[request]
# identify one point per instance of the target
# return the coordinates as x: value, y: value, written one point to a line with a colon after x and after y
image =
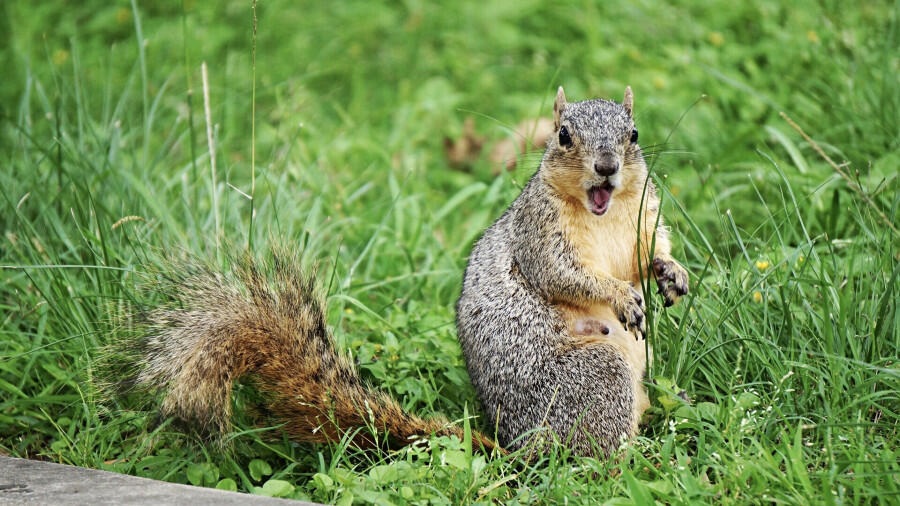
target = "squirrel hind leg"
x: 632, y: 348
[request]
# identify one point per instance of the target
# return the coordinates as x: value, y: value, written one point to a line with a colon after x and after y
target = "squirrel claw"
x: 629, y: 307
x: 671, y: 278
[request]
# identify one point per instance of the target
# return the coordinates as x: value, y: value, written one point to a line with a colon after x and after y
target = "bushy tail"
x: 267, y: 324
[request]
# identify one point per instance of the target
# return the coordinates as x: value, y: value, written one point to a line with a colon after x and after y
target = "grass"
x: 787, y: 348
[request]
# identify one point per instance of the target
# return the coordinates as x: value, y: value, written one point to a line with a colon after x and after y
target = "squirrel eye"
x: 634, y: 135
x: 564, y: 138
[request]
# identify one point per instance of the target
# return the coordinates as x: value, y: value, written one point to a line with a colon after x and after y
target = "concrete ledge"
x: 34, y: 482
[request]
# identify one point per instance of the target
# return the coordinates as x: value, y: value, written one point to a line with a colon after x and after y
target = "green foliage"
x: 777, y: 379
x: 259, y: 468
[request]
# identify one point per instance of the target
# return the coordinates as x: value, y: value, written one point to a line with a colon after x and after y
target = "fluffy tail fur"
x: 268, y: 325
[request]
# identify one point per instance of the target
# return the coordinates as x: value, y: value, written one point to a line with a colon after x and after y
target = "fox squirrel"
x: 548, y: 283
x: 538, y: 318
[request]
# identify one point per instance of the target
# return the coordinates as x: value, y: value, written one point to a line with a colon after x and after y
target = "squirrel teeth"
x: 599, y: 197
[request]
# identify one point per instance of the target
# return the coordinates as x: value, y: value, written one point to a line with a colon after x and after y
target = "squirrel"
x: 549, y: 322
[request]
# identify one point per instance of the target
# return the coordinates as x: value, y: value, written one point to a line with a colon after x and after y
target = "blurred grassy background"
x: 788, y: 352
x: 359, y: 72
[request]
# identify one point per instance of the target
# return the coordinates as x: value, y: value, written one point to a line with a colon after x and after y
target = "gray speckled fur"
x: 519, y: 354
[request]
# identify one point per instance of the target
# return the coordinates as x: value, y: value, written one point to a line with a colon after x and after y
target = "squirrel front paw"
x: 671, y: 278
x: 628, y: 304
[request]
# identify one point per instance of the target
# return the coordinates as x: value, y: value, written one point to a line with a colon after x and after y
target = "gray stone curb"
x: 34, y: 482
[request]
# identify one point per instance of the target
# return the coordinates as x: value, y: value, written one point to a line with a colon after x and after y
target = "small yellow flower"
x: 800, y: 259
x: 60, y: 56
x: 123, y: 15
x: 716, y: 38
x: 659, y: 83
x: 757, y: 297
x: 378, y: 348
x: 762, y: 264
x: 812, y: 36
x: 348, y: 311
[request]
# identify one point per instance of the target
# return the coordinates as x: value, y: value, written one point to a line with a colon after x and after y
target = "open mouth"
x: 599, y: 196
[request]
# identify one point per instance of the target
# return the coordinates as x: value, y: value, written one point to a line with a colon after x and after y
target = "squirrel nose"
x: 606, y: 165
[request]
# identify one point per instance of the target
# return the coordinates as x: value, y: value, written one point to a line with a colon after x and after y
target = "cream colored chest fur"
x: 606, y: 245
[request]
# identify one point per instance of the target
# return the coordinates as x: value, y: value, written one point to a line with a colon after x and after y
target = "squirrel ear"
x: 558, y: 107
x: 628, y: 101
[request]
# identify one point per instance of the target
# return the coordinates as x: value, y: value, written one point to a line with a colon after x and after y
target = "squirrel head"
x: 593, y: 153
